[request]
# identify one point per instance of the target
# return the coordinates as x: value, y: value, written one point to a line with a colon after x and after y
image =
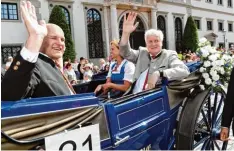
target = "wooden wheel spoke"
x: 209, y: 111
x: 216, y: 145
x: 214, y: 109
x: 205, y: 120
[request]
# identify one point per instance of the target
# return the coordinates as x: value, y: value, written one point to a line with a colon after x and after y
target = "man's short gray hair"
x: 154, y: 32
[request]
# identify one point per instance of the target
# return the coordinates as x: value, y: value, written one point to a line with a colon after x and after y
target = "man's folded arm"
x: 178, y: 70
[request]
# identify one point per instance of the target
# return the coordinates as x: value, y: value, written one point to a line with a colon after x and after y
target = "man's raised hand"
x: 37, y: 31
x: 30, y: 19
x: 128, y: 24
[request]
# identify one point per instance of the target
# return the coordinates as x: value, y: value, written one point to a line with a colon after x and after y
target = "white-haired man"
x: 152, y: 62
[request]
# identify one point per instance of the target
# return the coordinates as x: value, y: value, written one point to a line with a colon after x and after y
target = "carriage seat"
x: 178, y: 90
x: 187, y: 83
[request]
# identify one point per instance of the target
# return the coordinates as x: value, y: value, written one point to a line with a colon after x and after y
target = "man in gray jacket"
x: 152, y: 62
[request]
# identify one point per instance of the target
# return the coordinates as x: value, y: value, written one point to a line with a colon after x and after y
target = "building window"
x: 95, y: 40
x: 221, y: 45
x: 209, y: 1
x: 9, y: 51
x: 178, y: 33
x: 67, y: 15
x: 229, y: 3
x: 220, y: 26
x: 197, y: 22
x: 209, y: 25
x: 230, y: 27
x: 9, y: 11
x: 220, y: 2
x: 161, y: 24
x: 231, y: 45
x: 211, y: 43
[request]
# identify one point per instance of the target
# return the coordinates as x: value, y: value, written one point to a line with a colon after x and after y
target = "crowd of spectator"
x: 82, y: 71
x: 188, y: 56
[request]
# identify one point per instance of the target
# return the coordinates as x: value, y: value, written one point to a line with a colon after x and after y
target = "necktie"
x: 65, y: 79
x: 146, y: 80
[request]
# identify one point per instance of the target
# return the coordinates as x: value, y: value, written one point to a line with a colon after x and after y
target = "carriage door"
x: 139, y: 121
x: 137, y: 37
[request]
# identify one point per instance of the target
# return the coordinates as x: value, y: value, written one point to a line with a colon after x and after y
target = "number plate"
x: 86, y: 138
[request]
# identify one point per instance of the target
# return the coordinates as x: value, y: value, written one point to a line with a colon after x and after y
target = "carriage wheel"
x: 200, y: 122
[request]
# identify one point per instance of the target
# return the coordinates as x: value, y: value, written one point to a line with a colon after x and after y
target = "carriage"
x: 174, y: 115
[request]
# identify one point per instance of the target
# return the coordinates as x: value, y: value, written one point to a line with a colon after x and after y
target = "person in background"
x: 70, y: 73
x: 102, y: 64
x: 87, y: 77
x: 188, y: 59
x: 228, y: 111
x: 120, y: 75
x: 80, y: 67
x: 8, y: 63
x: 88, y: 69
x: 180, y: 55
x: 74, y: 66
x: 64, y: 65
x: 107, y: 67
x: 95, y: 69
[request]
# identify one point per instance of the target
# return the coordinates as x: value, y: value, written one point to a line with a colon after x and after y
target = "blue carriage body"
x: 146, y: 120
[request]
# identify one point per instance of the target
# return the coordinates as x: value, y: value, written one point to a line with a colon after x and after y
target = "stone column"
x: 171, y: 31
x: 114, y: 22
x: 154, y: 18
x: 106, y: 31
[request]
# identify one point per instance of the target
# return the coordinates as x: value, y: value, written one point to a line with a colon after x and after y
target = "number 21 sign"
x: 86, y: 138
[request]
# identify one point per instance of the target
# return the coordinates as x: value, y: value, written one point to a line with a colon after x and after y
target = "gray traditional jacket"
x: 166, y: 61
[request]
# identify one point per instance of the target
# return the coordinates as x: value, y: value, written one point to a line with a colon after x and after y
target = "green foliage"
x: 190, y: 37
x: 58, y: 17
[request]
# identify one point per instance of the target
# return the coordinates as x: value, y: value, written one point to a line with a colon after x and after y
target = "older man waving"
x: 152, y: 62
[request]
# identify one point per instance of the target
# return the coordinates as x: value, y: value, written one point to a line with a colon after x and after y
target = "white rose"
x: 214, y: 63
x: 219, y: 62
x: 221, y: 70
x: 212, y: 50
x: 205, y: 52
x: 214, y: 84
x: 202, y: 69
x: 202, y: 40
x: 212, y: 57
x: 213, y: 73
x: 206, y: 63
x: 226, y: 57
x: 226, y: 84
x: 215, y: 77
x: 205, y: 75
x: 202, y: 87
x: 208, y: 81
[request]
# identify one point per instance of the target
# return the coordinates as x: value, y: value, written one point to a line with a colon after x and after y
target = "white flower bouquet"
x: 216, y: 67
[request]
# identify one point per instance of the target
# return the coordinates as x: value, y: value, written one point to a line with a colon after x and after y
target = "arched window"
x: 178, y: 33
x: 95, y: 41
x: 137, y: 37
x: 67, y: 15
x: 161, y: 24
